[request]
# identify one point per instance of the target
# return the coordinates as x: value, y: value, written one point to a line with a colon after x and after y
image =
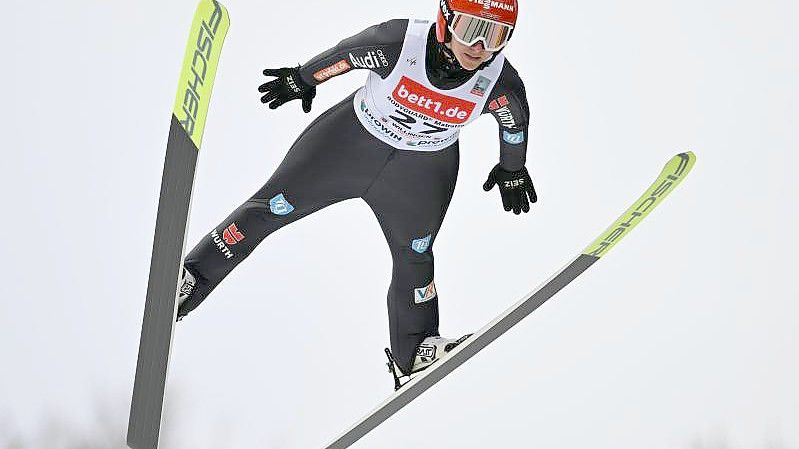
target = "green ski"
x: 673, y: 173
x: 208, y: 31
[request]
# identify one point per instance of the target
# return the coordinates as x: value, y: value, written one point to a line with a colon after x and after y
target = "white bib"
x: 407, y: 112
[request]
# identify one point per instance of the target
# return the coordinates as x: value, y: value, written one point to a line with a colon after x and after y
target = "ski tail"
x: 209, y: 27
x: 674, y: 172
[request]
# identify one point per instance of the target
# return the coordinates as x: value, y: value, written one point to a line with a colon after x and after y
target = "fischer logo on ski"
x: 202, y: 57
x: 676, y: 169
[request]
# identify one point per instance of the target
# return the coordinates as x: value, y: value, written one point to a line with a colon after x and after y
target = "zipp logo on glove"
x: 515, y: 188
x: 293, y: 84
x: 513, y: 183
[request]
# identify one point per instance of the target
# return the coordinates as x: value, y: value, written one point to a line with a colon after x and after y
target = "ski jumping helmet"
x: 471, y: 21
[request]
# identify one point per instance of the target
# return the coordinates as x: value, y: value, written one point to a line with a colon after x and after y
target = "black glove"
x: 288, y: 86
x: 514, y: 186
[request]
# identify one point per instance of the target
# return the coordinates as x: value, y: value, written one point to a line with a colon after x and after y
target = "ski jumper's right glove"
x: 514, y: 186
x: 288, y: 86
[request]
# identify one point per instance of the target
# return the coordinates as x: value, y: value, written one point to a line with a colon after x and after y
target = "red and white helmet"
x: 470, y: 21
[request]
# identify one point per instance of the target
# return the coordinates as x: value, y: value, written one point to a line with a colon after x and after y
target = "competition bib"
x: 407, y: 112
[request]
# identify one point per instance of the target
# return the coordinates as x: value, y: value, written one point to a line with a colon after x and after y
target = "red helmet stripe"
x: 505, y: 11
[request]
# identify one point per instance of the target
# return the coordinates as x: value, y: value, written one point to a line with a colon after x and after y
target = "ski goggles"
x: 469, y: 30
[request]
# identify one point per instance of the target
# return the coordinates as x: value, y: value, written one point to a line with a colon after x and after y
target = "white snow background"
x: 684, y: 336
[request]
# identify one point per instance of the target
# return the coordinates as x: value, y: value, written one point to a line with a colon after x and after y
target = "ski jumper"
x: 393, y: 143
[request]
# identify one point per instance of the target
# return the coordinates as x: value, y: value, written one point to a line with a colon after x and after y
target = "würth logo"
x: 498, y: 103
x: 501, y: 107
x: 232, y: 235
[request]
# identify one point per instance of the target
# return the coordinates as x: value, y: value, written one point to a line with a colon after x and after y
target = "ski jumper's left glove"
x: 288, y: 86
x: 514, y: 186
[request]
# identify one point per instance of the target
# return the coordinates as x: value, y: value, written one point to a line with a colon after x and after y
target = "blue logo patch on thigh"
x: 279, y: 205
x: 513, y: 138
x: 421, y: 245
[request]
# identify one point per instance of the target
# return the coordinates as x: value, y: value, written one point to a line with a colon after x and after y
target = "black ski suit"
x: 335, y: 159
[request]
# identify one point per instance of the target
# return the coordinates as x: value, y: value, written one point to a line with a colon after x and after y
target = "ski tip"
x: 673, y: 173
x: 200, y: 61
x: 676, y: 170
x: 688, y: 158
x: 209, y: 5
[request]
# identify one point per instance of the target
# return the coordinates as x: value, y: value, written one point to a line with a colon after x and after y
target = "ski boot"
x: 187, y: 284
x: 431, y: 350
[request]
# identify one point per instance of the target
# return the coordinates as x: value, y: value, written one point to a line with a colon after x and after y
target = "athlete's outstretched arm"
x: 376, y: 48
x: 508, y: 104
